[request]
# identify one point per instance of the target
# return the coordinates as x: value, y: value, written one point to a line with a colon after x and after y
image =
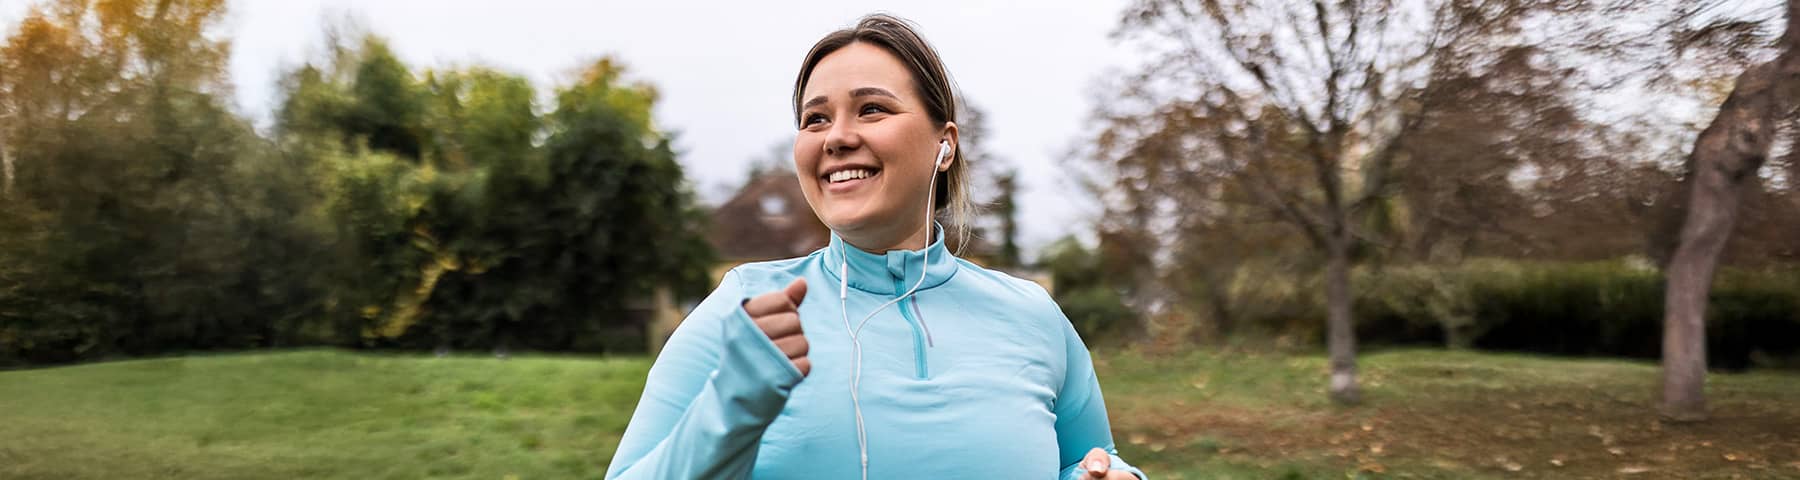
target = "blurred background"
x: 1303, y: 239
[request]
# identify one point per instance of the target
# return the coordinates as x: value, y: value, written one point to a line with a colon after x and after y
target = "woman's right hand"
x: 778, y: 315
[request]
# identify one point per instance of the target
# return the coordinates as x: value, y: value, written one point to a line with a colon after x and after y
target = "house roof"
x: 767, y: 219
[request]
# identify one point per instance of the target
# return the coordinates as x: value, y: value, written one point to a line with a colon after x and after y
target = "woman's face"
x: 866, y: 146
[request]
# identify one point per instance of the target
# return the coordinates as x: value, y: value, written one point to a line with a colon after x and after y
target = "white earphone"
x: 862, y: 436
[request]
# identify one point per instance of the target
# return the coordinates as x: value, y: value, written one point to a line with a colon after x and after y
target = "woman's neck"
x: 918, y: 239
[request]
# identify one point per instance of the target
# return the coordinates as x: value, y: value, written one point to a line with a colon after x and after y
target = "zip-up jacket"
x: 977, y: 375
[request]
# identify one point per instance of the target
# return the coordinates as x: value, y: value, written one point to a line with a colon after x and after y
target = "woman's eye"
x: 812, y: 119
x: 868, y: 109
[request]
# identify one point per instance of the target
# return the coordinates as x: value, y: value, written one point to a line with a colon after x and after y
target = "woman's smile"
x: 840, y: 181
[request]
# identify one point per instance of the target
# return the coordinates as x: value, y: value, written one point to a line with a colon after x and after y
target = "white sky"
x: 725, y: 68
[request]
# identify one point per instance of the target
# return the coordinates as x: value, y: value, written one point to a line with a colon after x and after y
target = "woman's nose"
x: 842, y: 139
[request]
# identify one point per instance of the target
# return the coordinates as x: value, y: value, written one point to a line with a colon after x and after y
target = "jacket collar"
x: 894, y: 272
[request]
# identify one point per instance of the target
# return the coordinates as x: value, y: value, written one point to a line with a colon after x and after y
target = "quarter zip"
x: 920, y: 367
x: 897, y: 267
x: 889, y: 275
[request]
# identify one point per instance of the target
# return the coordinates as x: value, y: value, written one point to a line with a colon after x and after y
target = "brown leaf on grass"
x: 1633, y: 469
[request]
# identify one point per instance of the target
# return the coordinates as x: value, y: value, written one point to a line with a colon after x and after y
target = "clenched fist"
x: 778, y: 315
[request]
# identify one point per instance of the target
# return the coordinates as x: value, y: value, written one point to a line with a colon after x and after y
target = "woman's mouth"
x: 844, y: 181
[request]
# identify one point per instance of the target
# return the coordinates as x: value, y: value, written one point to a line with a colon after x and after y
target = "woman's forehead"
x: 855, y: 69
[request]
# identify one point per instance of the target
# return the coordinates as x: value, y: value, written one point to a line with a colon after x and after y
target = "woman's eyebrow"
x: 876, y: 91
x: 860, y: 92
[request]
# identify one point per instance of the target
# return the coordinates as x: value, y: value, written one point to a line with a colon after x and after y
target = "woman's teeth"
x: 852, y: 174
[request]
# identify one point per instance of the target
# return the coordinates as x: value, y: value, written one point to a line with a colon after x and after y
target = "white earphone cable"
x: 862, y: 436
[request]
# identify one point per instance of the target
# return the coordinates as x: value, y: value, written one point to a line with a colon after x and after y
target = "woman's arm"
x: 1081, y: 423
x: 715, y: 388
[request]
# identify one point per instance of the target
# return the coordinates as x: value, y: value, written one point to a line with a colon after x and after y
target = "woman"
x: 832, y: 370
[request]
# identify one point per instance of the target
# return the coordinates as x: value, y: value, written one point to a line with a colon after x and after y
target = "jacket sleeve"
x: 1081, y: 423
x: 713, y: 390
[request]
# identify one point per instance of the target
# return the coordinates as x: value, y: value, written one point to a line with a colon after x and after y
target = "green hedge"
x: 1599, y: 308
x: 1095, y: 311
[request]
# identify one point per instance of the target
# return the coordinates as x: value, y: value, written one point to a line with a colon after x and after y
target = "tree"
x: 355, y: 122
x: 1727, y: 153
x: 1006, y: 207
x: 466, y: 219
x: 1290, y: 98
x: 1083, y: 291
x: 140, y: 199
x: 620, y: 218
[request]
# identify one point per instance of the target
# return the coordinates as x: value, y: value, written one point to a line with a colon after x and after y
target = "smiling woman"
x: 997, y: 385
x: 863, y: 116
x: 863, y: 103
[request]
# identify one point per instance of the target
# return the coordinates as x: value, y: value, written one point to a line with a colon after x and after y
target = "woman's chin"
x: 848, y: 218
x: 844, y: 223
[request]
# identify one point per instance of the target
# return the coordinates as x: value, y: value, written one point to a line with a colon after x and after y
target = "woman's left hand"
x: 1099, y: 465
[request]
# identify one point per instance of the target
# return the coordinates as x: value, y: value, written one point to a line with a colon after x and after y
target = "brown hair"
x: 932, y: 81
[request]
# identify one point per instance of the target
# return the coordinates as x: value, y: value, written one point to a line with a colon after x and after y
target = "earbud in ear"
x: 943, y: 153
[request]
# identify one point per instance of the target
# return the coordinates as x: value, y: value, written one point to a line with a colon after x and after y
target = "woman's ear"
x: 951, y: 136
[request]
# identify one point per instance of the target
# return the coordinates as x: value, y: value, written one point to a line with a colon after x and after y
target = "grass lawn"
x: 1429, y: 414
x: 1441, y: 414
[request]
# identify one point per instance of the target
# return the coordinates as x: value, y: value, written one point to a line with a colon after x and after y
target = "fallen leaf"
x: 1376, y: 448
x: 1138, y: 439
x: 1731, y: 457
x: 1556, y: 461
x: 1633, y: 469
x: 1616, y: 451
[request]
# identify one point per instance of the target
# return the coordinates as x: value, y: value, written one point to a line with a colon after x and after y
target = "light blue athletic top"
x: 978, y: 375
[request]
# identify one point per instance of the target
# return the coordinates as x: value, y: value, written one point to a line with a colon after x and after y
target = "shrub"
x: 1595, y: 308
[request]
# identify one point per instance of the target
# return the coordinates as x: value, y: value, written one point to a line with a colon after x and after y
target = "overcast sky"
x: 725, y: 69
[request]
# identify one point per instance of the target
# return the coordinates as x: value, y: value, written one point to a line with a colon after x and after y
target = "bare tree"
x: 6, y: 172
x: 1293, y: 97
x: 1727, y: 153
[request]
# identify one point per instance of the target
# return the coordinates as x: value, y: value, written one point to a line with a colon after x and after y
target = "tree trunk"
x: 1340, y: 330
x: 1727, y: 153
x: 6, y: 173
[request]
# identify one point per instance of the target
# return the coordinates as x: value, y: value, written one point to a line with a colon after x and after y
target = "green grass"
x: 1441, y: 414
x: 1429, y: 414
x: 317, y: 414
